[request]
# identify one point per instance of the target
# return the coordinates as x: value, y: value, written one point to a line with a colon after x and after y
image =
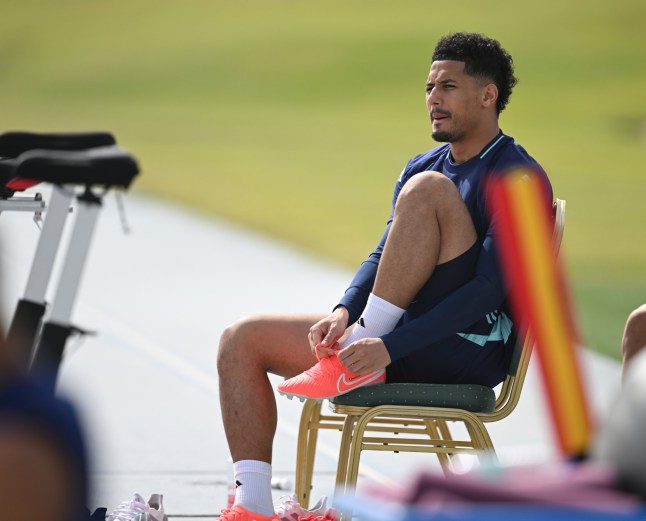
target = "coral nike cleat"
x: 327, y: 379
x: 239, y: 513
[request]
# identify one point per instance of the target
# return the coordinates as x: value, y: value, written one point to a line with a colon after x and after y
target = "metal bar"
x: 33, y: 204
x: 50, y: 238
x: 68, y: 284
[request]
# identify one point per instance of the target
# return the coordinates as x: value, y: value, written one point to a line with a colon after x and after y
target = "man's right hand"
x: 325, y: 334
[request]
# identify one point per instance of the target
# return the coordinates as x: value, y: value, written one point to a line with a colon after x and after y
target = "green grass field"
x: 295, y: 118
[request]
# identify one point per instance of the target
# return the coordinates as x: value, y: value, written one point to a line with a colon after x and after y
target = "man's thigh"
x: 280, y: 342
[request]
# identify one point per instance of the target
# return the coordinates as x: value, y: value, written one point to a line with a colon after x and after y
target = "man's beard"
x: 443, y: 136
x: 447, y: 136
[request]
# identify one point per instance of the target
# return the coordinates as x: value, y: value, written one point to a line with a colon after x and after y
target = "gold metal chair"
x: 413, y: 417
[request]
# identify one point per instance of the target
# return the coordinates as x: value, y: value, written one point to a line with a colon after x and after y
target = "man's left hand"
x: 365, y: 355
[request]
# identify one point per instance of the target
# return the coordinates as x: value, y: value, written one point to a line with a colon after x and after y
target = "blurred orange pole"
x: 540, y: 301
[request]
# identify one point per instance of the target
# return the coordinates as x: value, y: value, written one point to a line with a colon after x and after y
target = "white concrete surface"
x: 146, y: 385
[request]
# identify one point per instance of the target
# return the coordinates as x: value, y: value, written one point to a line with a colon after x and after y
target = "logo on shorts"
x: 361, y: 322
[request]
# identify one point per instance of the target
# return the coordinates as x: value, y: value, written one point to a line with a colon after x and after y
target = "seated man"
x: 429, y: 303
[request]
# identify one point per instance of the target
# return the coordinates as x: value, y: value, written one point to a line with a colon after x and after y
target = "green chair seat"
x: 471, y: 397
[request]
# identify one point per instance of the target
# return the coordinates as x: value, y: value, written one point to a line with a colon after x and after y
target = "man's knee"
x: 426, y: 187
x: 635, y: 333
x: 237, y: 341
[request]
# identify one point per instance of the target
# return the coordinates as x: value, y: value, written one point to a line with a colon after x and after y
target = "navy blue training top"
x: 480, y: 304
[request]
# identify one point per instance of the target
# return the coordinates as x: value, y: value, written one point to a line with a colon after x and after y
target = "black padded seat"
x: 7, y: 170
x: 471, y: 397
x: 104, y: 166
x: 14, y: 143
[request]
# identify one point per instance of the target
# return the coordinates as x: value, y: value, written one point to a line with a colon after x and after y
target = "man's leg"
x: 634, y: 339
x: 249, y: 349
x: 431, y: 226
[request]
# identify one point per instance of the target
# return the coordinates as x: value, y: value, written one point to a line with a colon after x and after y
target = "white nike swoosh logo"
x: 343, y: 385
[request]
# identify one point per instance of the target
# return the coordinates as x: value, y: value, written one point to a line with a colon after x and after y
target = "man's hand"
x: 324, y: 335
x: 365, y: 355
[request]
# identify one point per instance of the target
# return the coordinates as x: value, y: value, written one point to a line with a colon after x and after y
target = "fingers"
x: 356, y: 365
x: 348, y: 356
x: 324, y: 334
x: 315, y: 336
x: 320, y: 333
x: 322, y: 338
x: 324, y: 352
x: 364, y: 356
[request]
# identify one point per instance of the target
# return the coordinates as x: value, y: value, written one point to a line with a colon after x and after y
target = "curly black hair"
x: 483, y: 57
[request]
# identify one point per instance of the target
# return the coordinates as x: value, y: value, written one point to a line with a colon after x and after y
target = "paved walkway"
x: 146, y: 385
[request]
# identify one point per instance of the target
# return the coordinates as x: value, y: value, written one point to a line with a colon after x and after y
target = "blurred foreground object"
x: 564, y: 491
x: 621, y: 440
x: 43, y: 465
x: 540, y: 301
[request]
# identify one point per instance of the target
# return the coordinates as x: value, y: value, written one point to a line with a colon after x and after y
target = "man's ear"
x: 489, y: 95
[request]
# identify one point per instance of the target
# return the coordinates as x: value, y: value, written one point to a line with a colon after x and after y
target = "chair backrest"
x: 512, y: 386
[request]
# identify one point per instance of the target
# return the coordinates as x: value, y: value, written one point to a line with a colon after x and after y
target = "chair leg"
x: 306, y: 450
x: 481, y: 440
x: 446, y: 435
x: 356, y: 446
x: 435, y: 432
x: 350, y: 454
x: 344, y: 453
x: 311, y: 451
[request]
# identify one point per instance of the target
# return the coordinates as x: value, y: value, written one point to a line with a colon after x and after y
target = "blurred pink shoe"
x: 290, y: 510
x: 240, y: 513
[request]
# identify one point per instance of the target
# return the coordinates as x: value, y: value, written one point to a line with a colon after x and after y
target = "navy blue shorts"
x: 453, y: 359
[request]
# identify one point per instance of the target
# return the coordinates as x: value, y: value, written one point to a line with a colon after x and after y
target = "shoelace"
x: 327, y: 361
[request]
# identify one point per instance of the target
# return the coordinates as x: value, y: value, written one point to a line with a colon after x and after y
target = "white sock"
x: 378, y: 318
x: 253, y: 486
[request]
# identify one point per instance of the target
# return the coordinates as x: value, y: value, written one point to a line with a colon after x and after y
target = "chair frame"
x: 426, y: 428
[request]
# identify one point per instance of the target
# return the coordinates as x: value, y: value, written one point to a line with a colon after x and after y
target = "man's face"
x: 453, y: 100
